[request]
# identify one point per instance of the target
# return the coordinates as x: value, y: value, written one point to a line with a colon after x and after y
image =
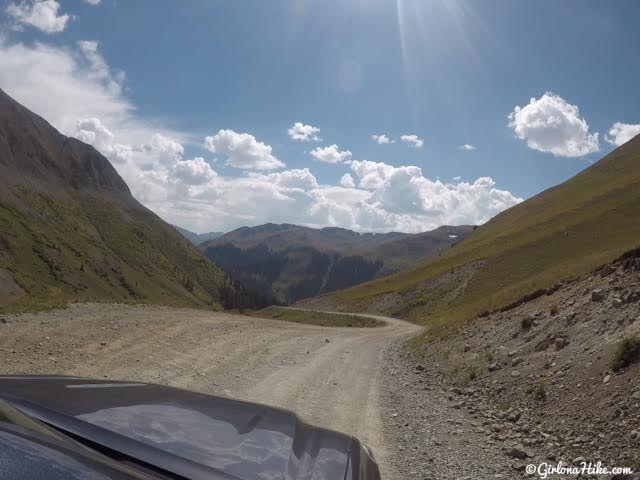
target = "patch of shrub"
x: 540, y: 391
x: 627, y: 352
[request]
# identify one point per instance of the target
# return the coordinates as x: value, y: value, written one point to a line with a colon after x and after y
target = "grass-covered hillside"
x: 71, y: 231
x: 568, y: 230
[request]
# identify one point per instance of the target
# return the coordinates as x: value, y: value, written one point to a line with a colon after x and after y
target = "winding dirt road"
x: 329, y: 376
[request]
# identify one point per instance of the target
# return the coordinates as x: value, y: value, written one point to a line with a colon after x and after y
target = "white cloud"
x: 382, y: 139
x: 304, y: 133
x: 296, y: 178
x: 93, y: 2
x: 66, y: 85
x: 466, y: 147
x: 412, y: 140
x: 83, y: 97
x: 193, y: 172
x: 92, y: 131
x: 550, y: 124
x: 406, y: 196
x: 457, y: 179
x: 620, y: 133
x: 402, y: 200
x: 242, y: 150
x: 165, y: 150
x: 40, y: 14
x: 331, y: 154
x: 347, y: 181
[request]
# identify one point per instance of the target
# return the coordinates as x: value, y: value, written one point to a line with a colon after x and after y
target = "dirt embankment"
x: 554, y: 379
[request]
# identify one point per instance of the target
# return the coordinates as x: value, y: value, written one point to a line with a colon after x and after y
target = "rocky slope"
x: 542, y: 381
x: 291, y: 262
x: 71, y: 231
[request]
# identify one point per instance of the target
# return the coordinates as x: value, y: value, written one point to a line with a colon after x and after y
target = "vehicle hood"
x: 238, y: 439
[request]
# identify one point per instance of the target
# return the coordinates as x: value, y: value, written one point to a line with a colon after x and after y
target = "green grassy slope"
x: 92, y: 249
x: 71, y: 231
x: 561, y: 233
x: 317, y: 318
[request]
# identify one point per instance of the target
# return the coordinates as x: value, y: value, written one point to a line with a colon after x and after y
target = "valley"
x: 286, y: 263
x: 464, y: 352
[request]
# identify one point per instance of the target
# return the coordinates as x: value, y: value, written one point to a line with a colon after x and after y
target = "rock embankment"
x: 554, y: 379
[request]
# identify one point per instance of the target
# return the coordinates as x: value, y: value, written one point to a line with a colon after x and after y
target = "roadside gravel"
x: 428, y: 435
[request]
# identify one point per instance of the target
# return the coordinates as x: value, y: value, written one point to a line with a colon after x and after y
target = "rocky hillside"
x: 71, y: 231
x: 556, y: 378
x: 559, y: 234
x: 291, y: 262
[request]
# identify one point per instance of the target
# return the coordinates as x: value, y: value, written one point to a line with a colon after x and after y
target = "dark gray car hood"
x: 238, y: 439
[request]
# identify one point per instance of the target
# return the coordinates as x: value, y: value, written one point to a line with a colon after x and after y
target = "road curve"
x: 337, y: 386
x: 329, y: 376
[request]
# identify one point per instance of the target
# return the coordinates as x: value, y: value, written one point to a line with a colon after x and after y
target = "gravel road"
x: 330, y: 376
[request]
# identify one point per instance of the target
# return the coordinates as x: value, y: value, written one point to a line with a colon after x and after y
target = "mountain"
x: 290, y: 262
x: 71, y: 231
x: 197, y: 238
x: 562, y: 233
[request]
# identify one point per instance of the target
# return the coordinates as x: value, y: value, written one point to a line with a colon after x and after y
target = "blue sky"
x: 449, y: 72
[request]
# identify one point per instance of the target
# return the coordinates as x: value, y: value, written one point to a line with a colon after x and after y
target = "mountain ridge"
x: 293, y: 262
x: 197, y: 238
x: 71, y: 231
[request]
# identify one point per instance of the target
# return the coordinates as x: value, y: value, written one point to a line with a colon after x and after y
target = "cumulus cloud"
x: 40, y: 14
x: 549, y: 124
x: 398, y: 198
x: 193, y: 172
x: 331, y: 154
x: 69, y: 84
x: 347, y: 181
x: 382, y: 139
x: 373, y: 196
x: 620, y: 133
x: 92, y: 131
x: 466, y: 147
x: 412, y: 140
x: 296, y: 178
x: 407, y: 196
x: 76, y: 90
x: 242, y: 150
x: 304, y: 133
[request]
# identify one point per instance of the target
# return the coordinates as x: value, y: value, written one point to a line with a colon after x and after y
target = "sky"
x: 373, y: 115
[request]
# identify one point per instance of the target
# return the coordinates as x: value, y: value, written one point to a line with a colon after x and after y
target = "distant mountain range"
x: 566, y: 231
x: 197, y: 238
x: 289, y: 262
x: 71, y: 231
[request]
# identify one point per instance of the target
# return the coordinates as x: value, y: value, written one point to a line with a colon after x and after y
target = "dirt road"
x: 329, y: 376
